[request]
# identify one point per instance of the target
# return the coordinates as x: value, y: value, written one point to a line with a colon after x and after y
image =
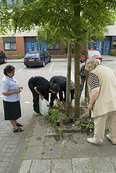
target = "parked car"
x: 36, y: 58
x: 2, y: 57
x: 92, y: 54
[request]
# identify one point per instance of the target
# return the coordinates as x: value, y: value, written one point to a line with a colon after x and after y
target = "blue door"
x: 92, y: 45
x: 99, y: 46
x: 28, y: 46
x: 106, y: 47
x: 38, y: 46
x: 35, y: 46
x: 44, y: 46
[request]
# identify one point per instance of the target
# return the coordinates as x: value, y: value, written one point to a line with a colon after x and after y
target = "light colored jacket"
x: 106, y: 101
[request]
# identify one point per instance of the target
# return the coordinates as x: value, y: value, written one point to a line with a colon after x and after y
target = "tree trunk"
x: 68, y: 79
x: 77, y: 79
x: 77, y: 57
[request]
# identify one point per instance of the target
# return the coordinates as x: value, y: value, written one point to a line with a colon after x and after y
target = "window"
x: 56, y: 46
x: 9, y: 43
x: 10, y: 46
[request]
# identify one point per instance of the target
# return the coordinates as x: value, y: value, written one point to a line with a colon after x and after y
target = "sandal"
x: 18, y: 130
x: 19, y: 125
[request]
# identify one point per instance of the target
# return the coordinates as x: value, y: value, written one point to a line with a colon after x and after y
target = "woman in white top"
x: 11, y: 98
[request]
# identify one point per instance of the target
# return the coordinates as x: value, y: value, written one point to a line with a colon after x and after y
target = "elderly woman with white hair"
x: 102, y: 102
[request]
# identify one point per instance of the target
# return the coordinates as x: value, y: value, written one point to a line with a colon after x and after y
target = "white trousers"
x: 99, y: 126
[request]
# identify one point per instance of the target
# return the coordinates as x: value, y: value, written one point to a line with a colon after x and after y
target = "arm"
x: 93, y: 97
x: 13, y: 91
x: 59, y: 103
x: 38, y: 92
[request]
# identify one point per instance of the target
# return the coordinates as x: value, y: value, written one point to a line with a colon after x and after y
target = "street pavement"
x: 46, y: 152
x: 40, y: 150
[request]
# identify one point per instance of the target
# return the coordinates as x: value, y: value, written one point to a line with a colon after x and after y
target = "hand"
x: 90, y: 107
x: 35, y: 88
x: 20, y: 88
x: 63, y: 109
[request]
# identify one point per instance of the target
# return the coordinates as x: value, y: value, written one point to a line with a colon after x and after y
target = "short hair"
x: 92, y: 63
x: 55, y: 87
x: 8, y: 69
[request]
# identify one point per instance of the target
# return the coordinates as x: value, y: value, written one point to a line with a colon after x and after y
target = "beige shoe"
x: 92, y: 140
x: 108, y: 136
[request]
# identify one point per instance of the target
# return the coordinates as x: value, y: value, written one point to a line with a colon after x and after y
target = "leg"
x: 35, y: 96
x: 14, y: 124
x: 36, y: 102
x: 16, y: 128
x: 99, y: 129
x: 112, y: 127
x: 72, y: 97
x: 82, y: 84
x: 86, y: 89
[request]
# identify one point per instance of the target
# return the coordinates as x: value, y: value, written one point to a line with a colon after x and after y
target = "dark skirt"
x: 12, y: 110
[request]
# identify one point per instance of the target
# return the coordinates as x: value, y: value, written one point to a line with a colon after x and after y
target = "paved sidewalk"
x: 47, y: 153
x: 12, y: 145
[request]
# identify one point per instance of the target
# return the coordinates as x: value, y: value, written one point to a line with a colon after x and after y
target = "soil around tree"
x: 73, y: 124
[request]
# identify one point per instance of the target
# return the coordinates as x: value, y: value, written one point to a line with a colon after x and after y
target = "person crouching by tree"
x: 11, y: 98
x: 102, y: 103
x: 61, y: 81
x: 40, y: 86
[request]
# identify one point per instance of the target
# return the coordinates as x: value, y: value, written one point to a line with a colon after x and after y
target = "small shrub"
x: 83, y: 125
x: 112, y: 54
x: 20, y: 56
x: 9, y: 54
x: 60, y: 132
x: 54, y: 117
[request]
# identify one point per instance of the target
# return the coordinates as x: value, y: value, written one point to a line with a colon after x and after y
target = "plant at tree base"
x: 54, y: 117
x: 84, y: 125
x: 60, y: 132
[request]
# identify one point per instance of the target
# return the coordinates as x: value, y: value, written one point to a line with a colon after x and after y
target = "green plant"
x: 84, y: 103
x: 54, y: 117
x: 112, y: 54
x: 106, y: 131
x: 60, y: 132
x: 20, y: 56
x: 9, y: 54
x: 84, y: 125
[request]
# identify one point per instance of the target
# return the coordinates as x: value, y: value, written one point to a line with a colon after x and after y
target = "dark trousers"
x: 35, y: 97
x: 84, y: 81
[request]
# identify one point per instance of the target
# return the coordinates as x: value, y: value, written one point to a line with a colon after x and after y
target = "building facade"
x: 16, y: 46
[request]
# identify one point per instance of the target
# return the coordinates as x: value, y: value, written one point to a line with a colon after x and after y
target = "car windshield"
x: 94, y: 53
x: 32, y: 55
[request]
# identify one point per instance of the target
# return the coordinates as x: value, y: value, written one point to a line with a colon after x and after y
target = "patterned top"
x: 94, y: 82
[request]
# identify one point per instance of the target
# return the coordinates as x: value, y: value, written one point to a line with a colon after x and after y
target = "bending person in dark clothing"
x: 61, y: 81
x: 41, y: 86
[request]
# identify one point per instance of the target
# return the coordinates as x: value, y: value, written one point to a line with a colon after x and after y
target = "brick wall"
x: 20, y: 48
x: 20, y: 45
x: 112, y: 50
x: 1, y: 44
